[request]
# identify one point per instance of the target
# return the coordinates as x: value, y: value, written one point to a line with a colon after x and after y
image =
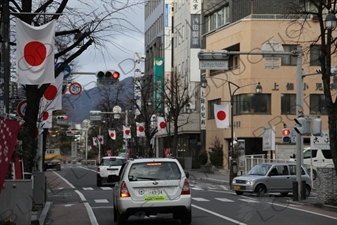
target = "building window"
x: 217, y: 19
x: 288, y: 104
x: 252, y: 104
x: 211, y: 107
x: 289, y: 60
x: 315, y: 53
x: 318, y: 104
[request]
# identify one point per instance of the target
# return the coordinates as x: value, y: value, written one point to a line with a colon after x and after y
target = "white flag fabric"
x: 140, y: 130
x: 100, y: 139
x: 35, y: 53
x: 94, y: 141
x: 221, y: 116
x: 112, y: 134
x: 161, y: 124
x: 46, y: 119
x: 126, y: 132
x: 56, y: 103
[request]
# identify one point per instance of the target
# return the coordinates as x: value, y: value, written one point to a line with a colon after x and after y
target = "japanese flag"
x: 35, y: 53
x: 140, y: 130
x: 126, y: 132
x: 221, y: 116
x: 100, y: 139
x: 161, y: 123
x: 112, y: 134
x: 46, y: 119
x: 94, y: 141
x: 52, y: 97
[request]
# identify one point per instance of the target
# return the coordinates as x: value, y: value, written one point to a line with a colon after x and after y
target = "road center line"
x: 219, y: 215
x: 72, y: 186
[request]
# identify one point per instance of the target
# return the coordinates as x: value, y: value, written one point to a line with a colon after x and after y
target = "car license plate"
x: 155, y: 198
x: 155, y: 192
x: 236, y: 188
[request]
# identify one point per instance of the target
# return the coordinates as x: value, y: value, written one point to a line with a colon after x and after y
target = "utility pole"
x: 5, y: 52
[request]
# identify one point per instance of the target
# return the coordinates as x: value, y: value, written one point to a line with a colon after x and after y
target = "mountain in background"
x: 77, y: 108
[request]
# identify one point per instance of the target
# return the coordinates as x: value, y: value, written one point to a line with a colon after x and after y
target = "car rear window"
x: 154, y: 171
x: 112, y: 162
x: 327, y: 153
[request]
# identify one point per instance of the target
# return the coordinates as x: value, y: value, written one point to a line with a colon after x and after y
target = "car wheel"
x: 99, y: 183
x: 115, y: 214
x: 307, y: 190
x: 186, y: 218
x: 284, y: 193
x: 260, y: 190
x: 121, y: 218
x: 239, y: 192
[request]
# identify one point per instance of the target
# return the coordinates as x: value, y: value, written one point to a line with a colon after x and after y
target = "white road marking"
x: 72, y: 186
x: 224, y: 199
x: 87, y: 188
x: 68, y: 205
x: 197, y: 188
x: 248, y: 200
x: 219, y: 215
x: 224, y: 187
x: 101, y: 201
x: 106, y: 188
x: 200, y: 199
x: 89, y: 209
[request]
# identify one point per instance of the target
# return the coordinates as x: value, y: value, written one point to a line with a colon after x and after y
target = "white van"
x: 317, y: 158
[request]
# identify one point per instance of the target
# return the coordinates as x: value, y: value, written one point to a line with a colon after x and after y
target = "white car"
x: 108, y: 169
x: 151, y: 186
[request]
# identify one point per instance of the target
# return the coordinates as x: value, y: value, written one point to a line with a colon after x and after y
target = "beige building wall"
x: 251, y: 34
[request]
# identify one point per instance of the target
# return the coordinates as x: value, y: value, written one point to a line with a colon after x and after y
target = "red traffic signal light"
x: 286, y: 135
x: 285, y: 132
x: 115, y: 75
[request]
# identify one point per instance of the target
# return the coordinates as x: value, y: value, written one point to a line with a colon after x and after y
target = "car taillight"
x: 186, y: 188
x: 124, y: 191
x: 98, y: 169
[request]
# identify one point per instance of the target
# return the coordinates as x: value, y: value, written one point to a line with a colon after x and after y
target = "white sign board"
x: 268, y: 138
x: 213, y: 64
x: 320, y: 142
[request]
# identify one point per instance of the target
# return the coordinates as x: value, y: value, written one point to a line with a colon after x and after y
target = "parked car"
x: 151, y: 186
x: 317, y: 158
x: 108, y: 169
x: 270, y: 177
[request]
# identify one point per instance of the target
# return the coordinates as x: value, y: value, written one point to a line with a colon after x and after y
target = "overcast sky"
x: 92, y: 60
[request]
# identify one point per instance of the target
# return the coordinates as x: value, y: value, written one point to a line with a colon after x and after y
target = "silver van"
x: 270, y: 177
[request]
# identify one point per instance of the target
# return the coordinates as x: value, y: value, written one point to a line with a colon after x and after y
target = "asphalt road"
x: 76, y: 200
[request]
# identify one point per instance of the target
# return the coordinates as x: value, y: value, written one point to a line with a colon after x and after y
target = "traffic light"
x: 286, y: 135
x: 107, y: 78
x: 303, y: 125
x: 317, y: 126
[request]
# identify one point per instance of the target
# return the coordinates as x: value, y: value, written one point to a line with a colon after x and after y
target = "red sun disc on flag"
x: 45, y: 115
x: 35, y: 53
x: 162, y: 125
x: 100, y: 139
x: 221, y: 115
x: 141, y: 129
x: 50, y: 92
x: 112, y: 134
x: 127, y: 132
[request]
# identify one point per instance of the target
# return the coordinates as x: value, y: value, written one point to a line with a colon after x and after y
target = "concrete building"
x: 275, y: 106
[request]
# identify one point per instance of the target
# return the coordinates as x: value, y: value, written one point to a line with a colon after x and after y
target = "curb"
x: 44, y: 213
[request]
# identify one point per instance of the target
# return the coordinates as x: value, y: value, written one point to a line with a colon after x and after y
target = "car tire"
x: 121, y: 218
x: 260, y: 190
x: 99, y: 183
x: 186, y: 218
x: 115, y: 214
x: 239, y: 192
x: 284, y: 194
x: 307, y: 190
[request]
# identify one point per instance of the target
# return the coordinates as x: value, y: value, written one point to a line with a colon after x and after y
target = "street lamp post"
x: 86, y: 125
x: 258, y: 90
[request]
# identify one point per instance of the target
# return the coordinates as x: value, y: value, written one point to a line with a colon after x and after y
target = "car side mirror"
x: 187, y: 174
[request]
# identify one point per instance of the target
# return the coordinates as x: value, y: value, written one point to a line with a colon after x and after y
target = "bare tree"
x: 177, y: 96
x: 328, y: 48
x: 95, y: 27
